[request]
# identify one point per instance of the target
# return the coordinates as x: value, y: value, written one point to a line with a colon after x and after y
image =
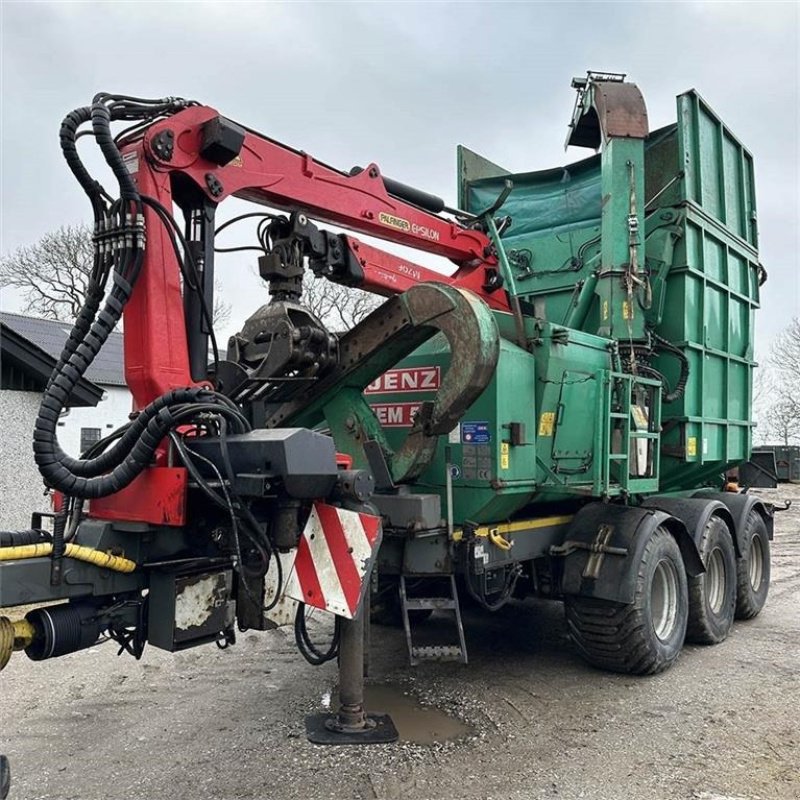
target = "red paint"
x: 346, y: 571
x: 387, y: 274
x: 307, y: 575
x: 372, y: 527
x: 157, y: 496
x: 344, y: 461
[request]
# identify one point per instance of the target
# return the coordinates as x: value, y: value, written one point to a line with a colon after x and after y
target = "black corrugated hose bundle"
x: 119, y: 236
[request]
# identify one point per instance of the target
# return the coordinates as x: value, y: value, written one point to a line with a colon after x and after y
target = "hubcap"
x: 756, y: 566
x: 664, y: 599
x: 715, y: 580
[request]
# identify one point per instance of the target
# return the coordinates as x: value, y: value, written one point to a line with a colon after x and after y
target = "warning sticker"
x: 475, y: 433
x: 691, y: 446
x: 546, y: 423
x: 504, y: 451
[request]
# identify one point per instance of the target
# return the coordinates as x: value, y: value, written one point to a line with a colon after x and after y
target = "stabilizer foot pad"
x: 382, y: 732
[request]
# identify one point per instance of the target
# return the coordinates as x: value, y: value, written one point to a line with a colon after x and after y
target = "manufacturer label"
x: 475, y: 433
x: 131, y: 161
x: 416, y: 379
x: 546, y: 423
x: 394, y: 222
x: 395, y: 415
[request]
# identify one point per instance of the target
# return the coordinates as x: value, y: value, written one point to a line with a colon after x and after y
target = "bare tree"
x: 221, y: 312
x: 782, y: 420
x: 52, y: 274
x: 785, y: 358
x: 339, y: 307
x: 782, y: 411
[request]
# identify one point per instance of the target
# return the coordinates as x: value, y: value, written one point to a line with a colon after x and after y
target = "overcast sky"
x: 401, y: 84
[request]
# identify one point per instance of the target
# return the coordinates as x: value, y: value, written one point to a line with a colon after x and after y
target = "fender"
x: 740, y: 505
x: 695, y: 513
x: 603, y: 548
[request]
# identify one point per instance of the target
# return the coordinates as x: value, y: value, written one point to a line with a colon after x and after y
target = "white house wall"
x: 21, y: 487
x: 111, y: 412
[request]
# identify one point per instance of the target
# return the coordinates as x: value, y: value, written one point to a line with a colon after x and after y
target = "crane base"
x: 322, y: 729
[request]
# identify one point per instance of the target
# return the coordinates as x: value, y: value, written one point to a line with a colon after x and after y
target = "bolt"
x: 302, y: 219
x: 350, y: 423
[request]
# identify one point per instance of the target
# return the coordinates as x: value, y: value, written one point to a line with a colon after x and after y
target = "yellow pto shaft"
x: 15, y: 635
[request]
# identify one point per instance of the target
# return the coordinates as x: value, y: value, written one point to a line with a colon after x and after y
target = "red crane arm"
x: 168, y: 158
x: 273, y: 174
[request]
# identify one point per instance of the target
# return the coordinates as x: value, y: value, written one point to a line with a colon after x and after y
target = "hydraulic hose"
x: 119, y: 253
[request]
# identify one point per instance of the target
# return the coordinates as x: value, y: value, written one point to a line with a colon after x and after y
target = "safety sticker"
x: 546, y: 423
x: 691, y: 446
x: 475, y: 433
x: 504, y: 451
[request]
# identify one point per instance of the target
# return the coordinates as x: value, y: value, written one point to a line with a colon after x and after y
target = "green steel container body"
x: 558, y: 423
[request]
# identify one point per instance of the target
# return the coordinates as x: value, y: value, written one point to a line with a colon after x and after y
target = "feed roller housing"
x: 578, y: 412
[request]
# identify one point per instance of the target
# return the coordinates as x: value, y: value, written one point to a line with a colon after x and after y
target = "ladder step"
x: 425, y: 603
x: 433, y: 652
x: 437, y: 653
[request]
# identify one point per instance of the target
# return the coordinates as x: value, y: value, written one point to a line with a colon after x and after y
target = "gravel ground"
x: 722, y: 724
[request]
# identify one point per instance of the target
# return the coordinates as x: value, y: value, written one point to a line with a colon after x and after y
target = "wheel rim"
x: 664, y: 599
x: 715, y: 580
x: 756, y: 563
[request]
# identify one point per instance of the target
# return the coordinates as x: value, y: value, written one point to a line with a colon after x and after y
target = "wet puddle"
x: 414, y: 722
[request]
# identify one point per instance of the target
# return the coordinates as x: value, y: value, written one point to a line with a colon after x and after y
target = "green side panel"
x: 700, y: 252
x: 491, y: 478
x: 718, y: 170
x: 711, y: 296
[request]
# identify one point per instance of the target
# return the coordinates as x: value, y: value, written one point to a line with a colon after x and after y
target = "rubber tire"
x: 705, y: 626
x: 750, y: 601
x: 621, y: 637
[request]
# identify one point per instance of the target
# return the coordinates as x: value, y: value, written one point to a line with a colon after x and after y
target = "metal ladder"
x: 433, y: 652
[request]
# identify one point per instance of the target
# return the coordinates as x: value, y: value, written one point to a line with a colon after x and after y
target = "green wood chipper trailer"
x: 591, y: 467
x: 555, y: 418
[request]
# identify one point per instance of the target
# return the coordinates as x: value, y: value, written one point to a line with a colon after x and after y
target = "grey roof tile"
x: 50, y: 335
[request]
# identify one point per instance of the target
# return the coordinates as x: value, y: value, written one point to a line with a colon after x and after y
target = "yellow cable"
x: 25, y: 551
x: 88, y: 554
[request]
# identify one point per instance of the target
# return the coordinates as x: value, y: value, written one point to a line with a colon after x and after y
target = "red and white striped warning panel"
x: 334, y: 558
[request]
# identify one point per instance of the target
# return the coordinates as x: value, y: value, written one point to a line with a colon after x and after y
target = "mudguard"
x: 740, y: 505
x: 603, y: 548
x: 695, y: 513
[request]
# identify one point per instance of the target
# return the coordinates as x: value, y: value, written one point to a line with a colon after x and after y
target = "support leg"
x: 351, y: 724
